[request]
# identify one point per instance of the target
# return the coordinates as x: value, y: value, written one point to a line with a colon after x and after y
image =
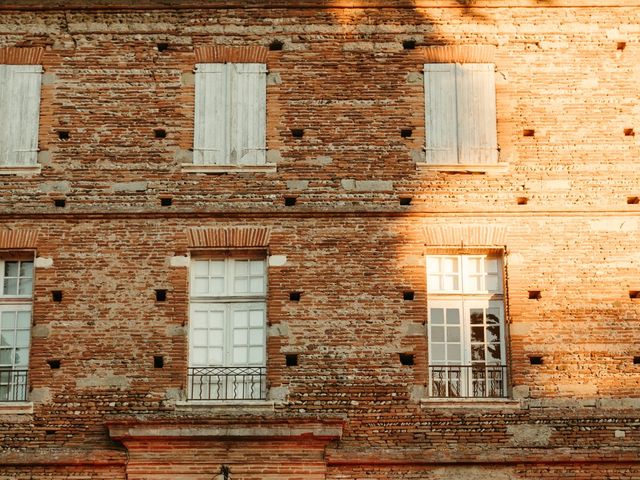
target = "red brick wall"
x: 351, y: 248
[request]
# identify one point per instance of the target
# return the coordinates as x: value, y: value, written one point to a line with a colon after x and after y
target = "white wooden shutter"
x: 19, y: 114
x: 477, y: 141
x: 440, y: 113
x: 249, y: 114
x: 211, y: 118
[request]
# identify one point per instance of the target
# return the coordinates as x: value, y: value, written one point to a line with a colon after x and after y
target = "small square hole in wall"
x: 408, y: 295
x: 63, y: 134
x: 276, y: 45
x: 56, y: 295
x: 162, y: 46
x: 633, y: 200
x: 407, y: 359
x: 158, y: 361
x: 289, y: 201
x: 406, y: 133
x: 49, y: 432
x: 629, y: 132
x: 404, y: 201
x: 535, y: 295
x: 53, y: 364
x: 59, y: 202
x: 522, y: 200
x: 166, y: 201
x: 535, y: 360
x: 297, y: 132
x: 636, y: 360
x: 528, y: 132
x: 160, y: 133
x: 621, y: 45
x: 295, y: 296
x: 161, y: 295
x: 291, y: 359
x: 409, y: 44
x: 634, y: 294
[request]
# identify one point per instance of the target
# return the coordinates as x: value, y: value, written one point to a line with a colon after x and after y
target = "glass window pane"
x: 493, y: 333
x: 477, y: 353
x: 453, y: 316
x: 7, y: 320
x: 6, y: 356
x: 199, y: 338
x: 437, y: 353
x: 476, y: 316
x: 11, y: 269
x: 199, y: 356
x: 201, y: 285
x: 492, y: 283
x: 10, y: 286
x: 240, y: 337
x: 493, y: 353
x: 453, y: 334
x: 437, y: 315
x: 26, y: 269
x: 24, y: 319
x: 241, y: 319
x: 493, y: 316
x: 255, y: 355
x: 241, y: 267
x: 241, y: 285
x: 201, y: 268
x: 217, y: 286
x: 433, y: 264
x: 215, y: 356
x: 199, y: 319
x: 216, y: 319
x: 474, y: 265
x: 434, y: 283
x: 216, y: 338
x: 22, y: 338
x: 240, y: 355
x: 437, y: 334
x: 7, y: 339
x: 26, y: 284
x: 491, y: 265
x: 256, y: 285
x: 257, y: 267
x: 216, y: 268
x: 453, y: 353
x: 256, y: 318
x: 22, y: 356
x: 450, y: 265
x: 477, y: 334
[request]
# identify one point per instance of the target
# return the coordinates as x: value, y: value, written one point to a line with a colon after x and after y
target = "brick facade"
x: 562, y: 214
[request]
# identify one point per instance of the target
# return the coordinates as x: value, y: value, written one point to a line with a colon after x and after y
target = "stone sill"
x: 484, y: 403
x: 16, y: 408
x: 222, y: 169
x: 247, y: 405
x: 487, y: 168
x: 20, y: 170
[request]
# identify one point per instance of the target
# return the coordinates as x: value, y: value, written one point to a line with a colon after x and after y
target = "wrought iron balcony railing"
x: 13, y: 385
x: 468, y: 381
x: 227, y: 383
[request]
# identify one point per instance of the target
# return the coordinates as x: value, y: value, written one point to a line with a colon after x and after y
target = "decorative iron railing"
x: 227, y: 383
x: 468, y: 381
x: 13, y: 385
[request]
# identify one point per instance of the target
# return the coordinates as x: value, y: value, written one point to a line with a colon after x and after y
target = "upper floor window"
x: 230, y: 114
x: 467, y: 351
x: 460, y: 113
x: 16, y: 290
x: 19, y: 114
x: 227, y: 333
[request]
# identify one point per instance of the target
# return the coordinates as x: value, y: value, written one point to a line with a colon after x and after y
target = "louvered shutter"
x: 19, y: 113
x: 212, y: 105
x: 440, y: 113
x: 477, y: 141
x: 249, y: 114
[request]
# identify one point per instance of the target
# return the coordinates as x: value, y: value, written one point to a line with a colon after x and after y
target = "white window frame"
x: 230, y: 115
x: 229, y: 301
x: 460, y: 114
x: 464, y: 300
x: 20, y: 87
x: 13, y: 374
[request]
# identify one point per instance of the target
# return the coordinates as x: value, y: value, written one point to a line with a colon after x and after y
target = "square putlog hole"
x: 59, y: 202
x: 528, y: 132
x: 621, y: 45
x: 297, y: 132
x: 162, y: 46
x: 166, y: 201
x: 636, y: 360
x: 276, y: 45
x: 161, y: 295
x: 405, y: 201
x: 522, y: 200
x: 56, y: 295
x: 535, y: 295
x: 409, y: 44
x: 63, y: 134
x: 53, y: 364
x: 289, y: 201
x: 634, y: 294
x: 295, y: 296
x: 160, y: 133
x: 291, y: 359
x: 406, y: 133
x: 633, y: 200
x: 407, y: 359
x: 629, y: 132
x: 158, y: 361
x: 535, y: 360
x: 408, y: 295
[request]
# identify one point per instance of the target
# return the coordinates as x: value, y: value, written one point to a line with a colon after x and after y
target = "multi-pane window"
x: 467, y: 356
x: 460, y: 113
x: 16, y: 290
x: 19, y: 114
x: 227, y: 331
x: 230, y: 114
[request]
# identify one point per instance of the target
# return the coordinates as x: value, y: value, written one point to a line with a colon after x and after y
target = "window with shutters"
x: 16, y: 290
x: 230, y: 114
x: 19, y: 114
x: 460, y: 114
x: 466, y: 327
x: 227, y: 329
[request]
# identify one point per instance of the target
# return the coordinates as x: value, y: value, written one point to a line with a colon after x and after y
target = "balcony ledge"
x: 471, y: 403
x: 16, y: 408
x: 22, y: 170
x: 223, y: 169
x: 217, y: 405
x: 487, y: 168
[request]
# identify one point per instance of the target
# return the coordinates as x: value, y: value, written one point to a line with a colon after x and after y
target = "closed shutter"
x: 477, y: 140
x: 211, y: 126
x: 440, y: 113
x: 249, y: 115
x: 19, y: 114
